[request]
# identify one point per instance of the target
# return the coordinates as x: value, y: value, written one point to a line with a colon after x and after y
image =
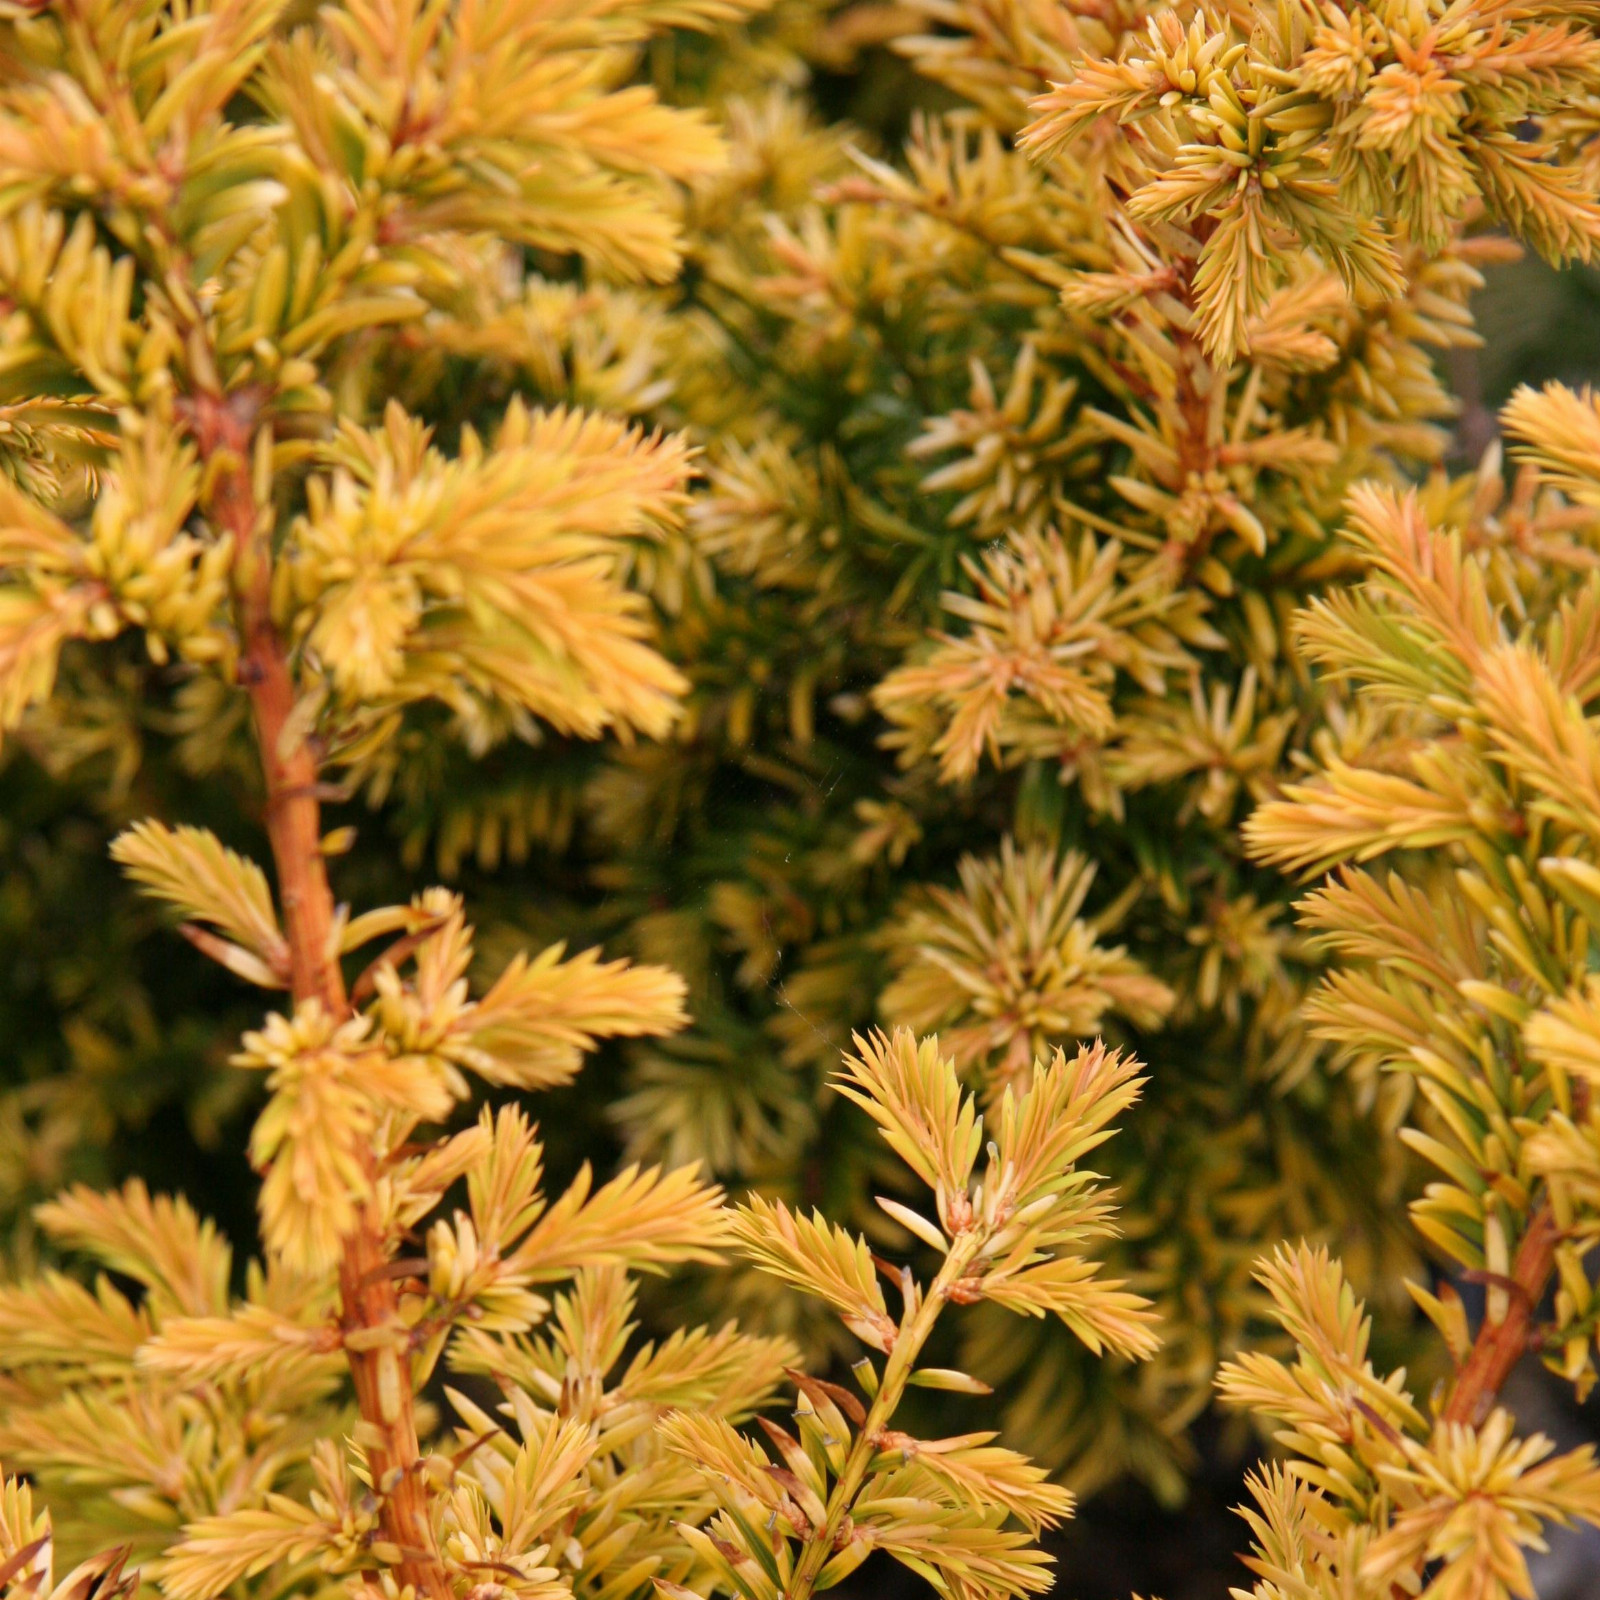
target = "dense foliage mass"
x: 1051, y: 521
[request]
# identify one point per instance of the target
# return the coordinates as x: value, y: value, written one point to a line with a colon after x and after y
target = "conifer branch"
x: 226, y: 431
x: 380, y: 1367
x: 1502, y: 1342
x: 1488, y: 1007
x: 870, y: 1440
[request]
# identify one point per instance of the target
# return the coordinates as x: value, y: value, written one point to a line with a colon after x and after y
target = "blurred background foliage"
x: 768, y: 853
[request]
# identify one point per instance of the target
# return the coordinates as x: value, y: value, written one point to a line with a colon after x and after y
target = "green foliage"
x: 359, y: 365
x: 1467, y: 767
x: 217, y: 228
x: 987, y: 616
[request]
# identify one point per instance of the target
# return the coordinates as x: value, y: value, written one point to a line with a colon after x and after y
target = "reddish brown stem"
x: 225, y: 428
x: 1500, y: 1345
